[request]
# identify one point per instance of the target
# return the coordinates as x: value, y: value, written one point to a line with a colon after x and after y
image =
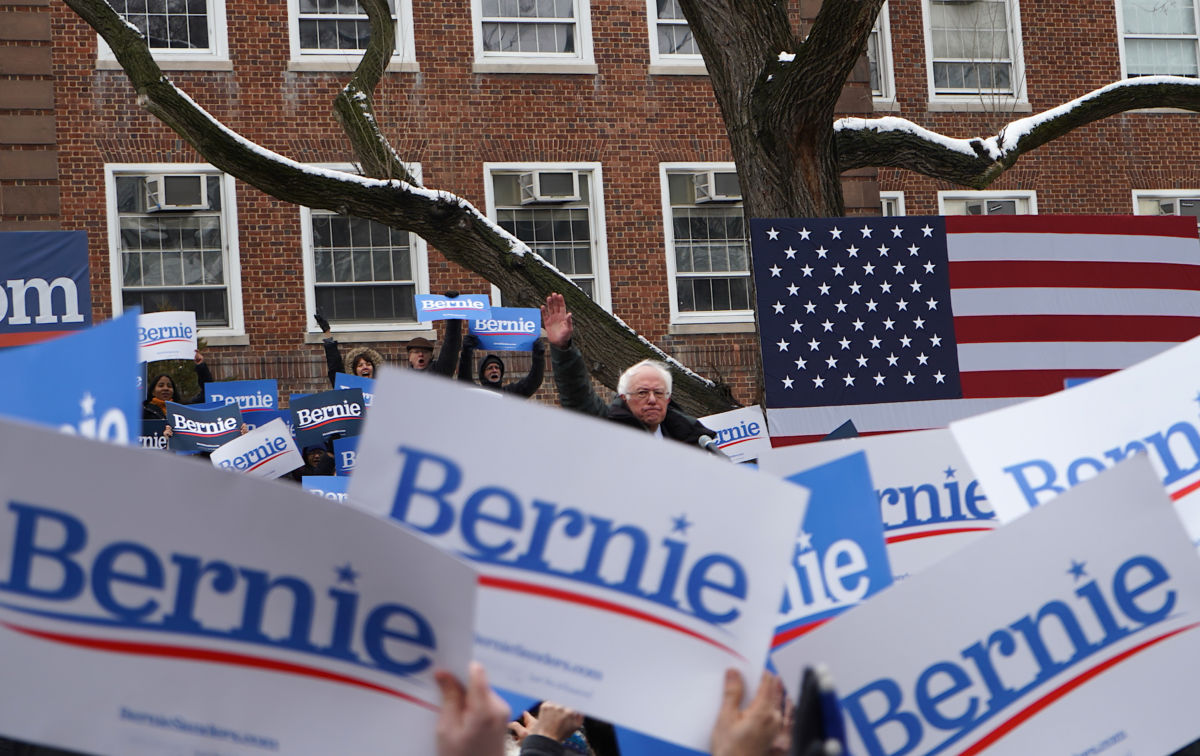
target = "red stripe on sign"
x: 188, y: 653
x: 1027, y: 713
x: 608, y: 606
x: 1118, y: 225
x: 29, y: 337
x: 1004, y: 274
x: 985, y: 329
x: 1000, y: 384
x: 931, y: 533
x: 796, y: 632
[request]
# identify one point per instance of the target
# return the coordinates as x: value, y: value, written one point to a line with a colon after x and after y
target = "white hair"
x: 627, y: 377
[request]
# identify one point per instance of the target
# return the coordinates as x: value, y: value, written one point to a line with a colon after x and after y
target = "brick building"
x: 587, y: 127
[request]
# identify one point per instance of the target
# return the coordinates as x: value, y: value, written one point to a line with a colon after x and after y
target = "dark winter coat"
x: 445, y: 363
x: 575, y: 393
x: 151, y: 411
x: 527, y: 386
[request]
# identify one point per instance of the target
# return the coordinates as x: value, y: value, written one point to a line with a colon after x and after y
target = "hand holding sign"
x: 473, y: 718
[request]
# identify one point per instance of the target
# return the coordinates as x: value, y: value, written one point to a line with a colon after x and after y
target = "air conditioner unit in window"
x: 717, y: 186
x: 549, y: 186
x: 176, y: 192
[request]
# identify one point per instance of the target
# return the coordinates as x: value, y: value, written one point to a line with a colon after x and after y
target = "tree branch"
x: 898, y: 143
x: 462, y: 233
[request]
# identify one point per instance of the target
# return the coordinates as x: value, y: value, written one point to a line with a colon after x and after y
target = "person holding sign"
x: 365, y: 362
x: 162, y: 389
x: 491, y: 370
x: 643, y: 398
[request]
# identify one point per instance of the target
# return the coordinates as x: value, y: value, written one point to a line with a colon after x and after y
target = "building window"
x: 879, y: 56
x: 987, y: 203
x: 891, y: 203
x: 707, y: 251
x: 176, y: 29
x: 1160, y: 37
x: 556, y: 210
x: 172, y: 240
x: 1168, y: 203
x: 337, y: 31
x: 361, y: 274
x: 671, y: 39
x: 973, y: 47
x: 554, y: 32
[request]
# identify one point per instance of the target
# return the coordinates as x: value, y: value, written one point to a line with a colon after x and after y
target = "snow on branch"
x: 977, y: 162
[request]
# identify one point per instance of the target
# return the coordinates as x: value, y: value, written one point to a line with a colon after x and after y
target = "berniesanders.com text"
x: 198, y: 728
x: 540, y: 657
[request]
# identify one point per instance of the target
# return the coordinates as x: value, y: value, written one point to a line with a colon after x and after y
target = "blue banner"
x: 84, y: 383
x: 344, y: 381
x: 202, y: 430
x: 153, y: 435
x: 262, y: 417
x: 44, y: 289
x: 465, y: 307
x: 253, y: 398
x: 508, y: 329
x: 345, y: 453
x: 317, y: 418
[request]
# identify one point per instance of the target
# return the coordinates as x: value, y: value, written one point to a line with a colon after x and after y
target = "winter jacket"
x: 527, y: 386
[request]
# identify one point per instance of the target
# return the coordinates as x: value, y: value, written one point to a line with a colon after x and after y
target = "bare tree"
x: 776, y: 91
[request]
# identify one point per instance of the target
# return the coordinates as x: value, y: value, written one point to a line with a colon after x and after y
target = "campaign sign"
x: 253, y: 398
x: 1069, y: 631
x: 178, y: 609
x: 202, y: 430
x: 930, y: 500
x: 82, y: 383
x: 166, y: 336
x: 326, y: 486
x: 840, y: 557
x: 1031, y: 452
x: 262, y: 417
x: 153, y: 435
x: 326, y: 415
x: 265, y: 452
x: 345, y: 452
x: 596, y: 555
x: 511, y: 329
x: 741, y: 433
x: 464, y: 307
x: 346, y: 381
x: 44, y: 291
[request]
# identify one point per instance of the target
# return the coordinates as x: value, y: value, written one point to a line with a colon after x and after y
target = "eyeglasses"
x: 643, y: 394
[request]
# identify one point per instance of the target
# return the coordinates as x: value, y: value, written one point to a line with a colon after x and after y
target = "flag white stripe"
x: 1004, y: 247
x: 886, y: 416
x: 1057, y: 355
x: 1057, y: 301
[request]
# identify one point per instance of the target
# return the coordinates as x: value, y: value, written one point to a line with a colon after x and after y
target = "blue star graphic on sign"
x: 950, y: 472
x: 346, y: 574
x: 1077, y: 570
x: 680, y: 524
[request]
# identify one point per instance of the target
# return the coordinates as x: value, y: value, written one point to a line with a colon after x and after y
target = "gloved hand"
x: 321, y: 321
x: 470, y: 341
x: 451, y: 294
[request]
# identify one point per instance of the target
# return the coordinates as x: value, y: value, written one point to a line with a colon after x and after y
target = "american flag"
x: 904, y: 323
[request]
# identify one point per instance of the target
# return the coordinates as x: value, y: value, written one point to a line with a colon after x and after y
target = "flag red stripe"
x: 1117, y: 225
x: 989, y: 274
x: 993, y: 384
x: 983, y: 329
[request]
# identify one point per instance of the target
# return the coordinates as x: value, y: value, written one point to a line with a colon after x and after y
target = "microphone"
x: 709, y: 444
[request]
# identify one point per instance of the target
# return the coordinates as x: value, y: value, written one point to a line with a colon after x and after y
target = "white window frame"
x: 981, y: 100
x: 404, y: 58
x: 603, y: 295
x: 582, y: 61
x: 229, y: 227
x: 677, y: 64
x: 418, y: 251
x: 1174, y: 194
x: 685, y: 318
x: 1030, y: 197
x: 215, y: 58
x: 898, y: 198
x: 1121, y: 35
x: 886, y: 99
